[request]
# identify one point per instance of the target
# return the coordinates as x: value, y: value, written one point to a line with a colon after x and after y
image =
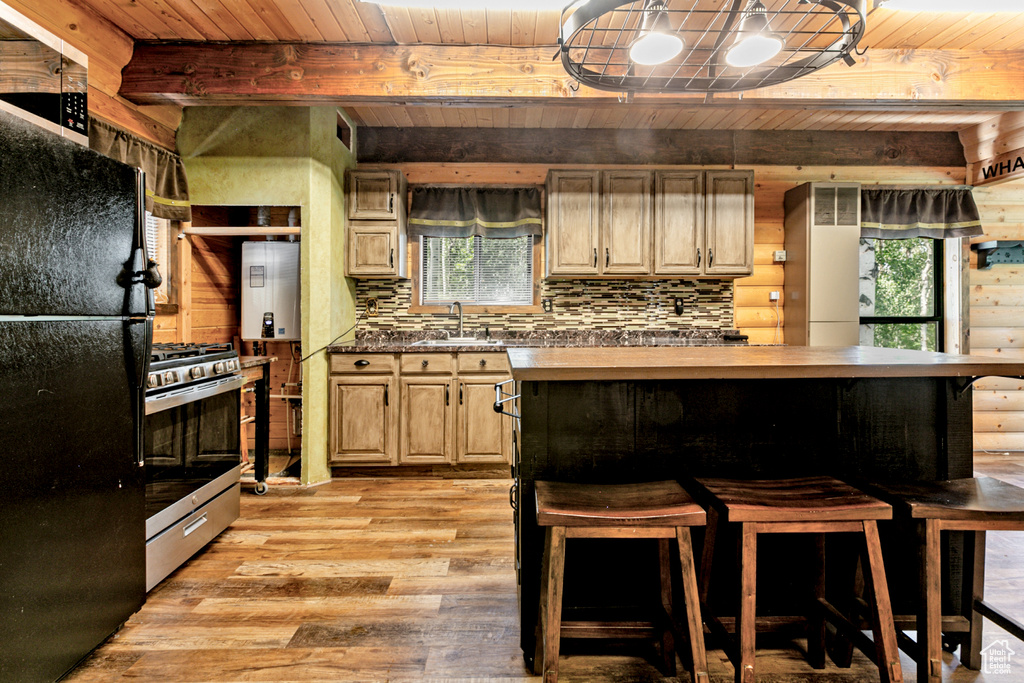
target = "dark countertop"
x: 748, y: 362
x: 402, y: 342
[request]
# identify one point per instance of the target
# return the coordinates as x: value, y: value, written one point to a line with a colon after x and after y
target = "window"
x: 159, y: 248
x: 901, y: 293
x: 477, y: 270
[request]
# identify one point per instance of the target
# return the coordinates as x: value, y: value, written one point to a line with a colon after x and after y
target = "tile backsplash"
x: 576, y: 304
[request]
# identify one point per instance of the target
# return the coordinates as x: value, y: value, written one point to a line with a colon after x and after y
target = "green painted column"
x: 286, y: 156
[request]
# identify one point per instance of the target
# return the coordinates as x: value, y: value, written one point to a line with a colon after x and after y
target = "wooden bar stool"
x: 971, y: 505
x: 661, y: 510
x: 810, y: 505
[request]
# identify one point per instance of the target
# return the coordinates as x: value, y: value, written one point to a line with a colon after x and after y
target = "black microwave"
x: 46, y: 80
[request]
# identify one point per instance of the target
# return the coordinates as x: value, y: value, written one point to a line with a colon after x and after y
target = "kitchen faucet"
x: 451, y: 309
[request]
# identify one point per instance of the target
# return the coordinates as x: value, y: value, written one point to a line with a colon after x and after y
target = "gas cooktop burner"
x: 177, y: 365
x: 168, y: 351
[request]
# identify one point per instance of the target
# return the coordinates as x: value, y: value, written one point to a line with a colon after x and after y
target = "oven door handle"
x: 180, y: 397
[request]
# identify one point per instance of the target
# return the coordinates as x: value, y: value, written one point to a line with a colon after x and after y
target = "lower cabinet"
x: 362, y: 420
x: 431, y: 408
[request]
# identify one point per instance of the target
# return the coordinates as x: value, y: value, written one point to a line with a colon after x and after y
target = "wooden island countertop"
x: 747, y: 362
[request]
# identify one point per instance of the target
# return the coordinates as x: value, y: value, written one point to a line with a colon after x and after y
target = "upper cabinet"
x: 573, y: 230
x: 623, y: 223
x: 376, y: 195
x: 376, y: 229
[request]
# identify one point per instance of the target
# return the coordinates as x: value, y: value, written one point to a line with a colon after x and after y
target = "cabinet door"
x: 626, y: 223
x: 729, y: 223
x: 374, y: 195
x: 426, y: 417
x: 362, y: 419
x: 573, y: 221
x: 483, y: 435
x: 679, y: 222
x: 373, y: 250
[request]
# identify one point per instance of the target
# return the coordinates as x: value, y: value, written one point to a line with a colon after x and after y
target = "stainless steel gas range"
x: 192, y: 451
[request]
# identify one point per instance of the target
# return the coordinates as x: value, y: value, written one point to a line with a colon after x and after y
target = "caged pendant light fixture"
x: 705, y: 46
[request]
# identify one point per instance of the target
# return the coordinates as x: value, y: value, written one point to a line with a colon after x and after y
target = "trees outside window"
x: 477, y: 270
x: 901, y: 293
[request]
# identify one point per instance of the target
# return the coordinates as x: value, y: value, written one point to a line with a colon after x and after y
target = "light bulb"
x: 753, y: 50
x: 655, y: 48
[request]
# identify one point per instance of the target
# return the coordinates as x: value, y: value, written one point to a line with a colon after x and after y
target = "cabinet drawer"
x: 484, y: 362
x: 364, y: 363
x: 419, y: 363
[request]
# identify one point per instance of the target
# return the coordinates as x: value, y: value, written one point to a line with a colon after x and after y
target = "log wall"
x: 997, y: 321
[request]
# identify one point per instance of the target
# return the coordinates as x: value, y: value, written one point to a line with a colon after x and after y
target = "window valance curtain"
x: 475, y: 211
x: 166, y: 185
x: 900, y: 213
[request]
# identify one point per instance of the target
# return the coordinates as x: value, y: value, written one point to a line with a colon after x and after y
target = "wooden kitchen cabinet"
x: 636, y: 223
x: 625, y: 222
x: 729, y: 222
x: 482, y: 435
x: 679, y: 222
x: 426, y: 412
x: 443, y: 411
x: 573, y: 230
x: 363, y: 425
x: 376, y: 195
x: 376, y: 227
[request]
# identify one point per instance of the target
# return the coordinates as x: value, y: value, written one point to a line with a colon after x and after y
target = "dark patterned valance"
x: 475, y: 211
x: 900, y: 213
x: 166, y: 185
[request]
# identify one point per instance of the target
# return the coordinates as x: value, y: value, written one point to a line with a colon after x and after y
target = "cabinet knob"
x: 698, y: 258
x: 361, y: 363
x: 426, y: 363
x: 483, y: 362
x: 595, y: 257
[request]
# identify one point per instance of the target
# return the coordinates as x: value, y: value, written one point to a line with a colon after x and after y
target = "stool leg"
x: 668, y: 650
x: 545, y: 662
x: 745, y: 625
x: 974, y: 589
x: 929, y: 615
x: 694, y: 624
x: 887, y: 652
x: 708, y: 553
x: 816, y: 620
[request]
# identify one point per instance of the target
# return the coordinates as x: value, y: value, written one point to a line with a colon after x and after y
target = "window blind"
x: 478, y: 270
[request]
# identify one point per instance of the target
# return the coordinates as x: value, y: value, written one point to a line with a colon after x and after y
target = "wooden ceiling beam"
x: 308, y: 74
x: 659, y: 147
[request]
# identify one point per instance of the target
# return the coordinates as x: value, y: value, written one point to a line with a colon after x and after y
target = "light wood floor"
x: 397, y: 579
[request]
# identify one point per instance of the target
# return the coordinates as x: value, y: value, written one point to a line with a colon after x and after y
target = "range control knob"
x: 153, y: 381
x: 218, y: 368
x: 170, y: 377
x: 197, y: 372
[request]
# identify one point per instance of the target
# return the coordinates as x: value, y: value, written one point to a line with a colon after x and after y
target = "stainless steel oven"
x: 192, y: 451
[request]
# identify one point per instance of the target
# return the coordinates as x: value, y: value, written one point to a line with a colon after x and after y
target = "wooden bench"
x: 809, y: 505
x: 659, y: 510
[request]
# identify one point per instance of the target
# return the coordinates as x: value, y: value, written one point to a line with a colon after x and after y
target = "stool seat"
x: 654, y: 504
x: 661, y: 511
x: 804, y: 505
x: 801, y: 499
x: 970, y: 505
x: 980, y: 499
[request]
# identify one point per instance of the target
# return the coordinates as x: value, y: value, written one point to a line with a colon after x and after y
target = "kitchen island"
x: 604, y: 415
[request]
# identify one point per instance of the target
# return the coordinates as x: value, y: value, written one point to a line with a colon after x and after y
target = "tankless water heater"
x: 270, y: 291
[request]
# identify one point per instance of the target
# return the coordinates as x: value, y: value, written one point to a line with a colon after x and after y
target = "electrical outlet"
x: 773, y: 296
x: 546, y: 305
x: 779, y: 255
x: 678, y: 305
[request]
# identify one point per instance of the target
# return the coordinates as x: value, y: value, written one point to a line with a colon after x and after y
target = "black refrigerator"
x: 75, y: 331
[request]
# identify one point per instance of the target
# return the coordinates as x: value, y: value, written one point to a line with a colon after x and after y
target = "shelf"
x: 243, y: 231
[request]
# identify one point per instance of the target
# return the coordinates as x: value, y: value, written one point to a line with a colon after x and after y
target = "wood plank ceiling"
x: 358, y: 23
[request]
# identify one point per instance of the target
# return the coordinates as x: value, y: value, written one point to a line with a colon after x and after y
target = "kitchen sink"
x: 458, y: 341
